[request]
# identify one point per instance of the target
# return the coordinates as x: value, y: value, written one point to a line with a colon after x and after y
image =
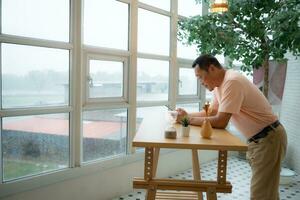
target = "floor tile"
x: 238, y: 173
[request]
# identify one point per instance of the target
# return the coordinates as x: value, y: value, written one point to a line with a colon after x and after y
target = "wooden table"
x: 151, y: 137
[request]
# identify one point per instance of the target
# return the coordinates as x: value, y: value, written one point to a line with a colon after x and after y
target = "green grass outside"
x: 14, y: 169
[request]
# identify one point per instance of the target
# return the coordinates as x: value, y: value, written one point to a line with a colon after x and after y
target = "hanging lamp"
x: 219, y: 6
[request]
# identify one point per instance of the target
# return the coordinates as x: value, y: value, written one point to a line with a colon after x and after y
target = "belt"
x: 263, y: 133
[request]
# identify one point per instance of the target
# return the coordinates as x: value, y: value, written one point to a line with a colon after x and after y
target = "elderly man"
x: 238, y: 100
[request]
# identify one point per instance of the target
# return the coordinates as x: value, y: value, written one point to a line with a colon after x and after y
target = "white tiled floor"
x: 238, y: 173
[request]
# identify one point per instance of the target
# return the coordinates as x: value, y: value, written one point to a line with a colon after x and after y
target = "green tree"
x: 251, y: 31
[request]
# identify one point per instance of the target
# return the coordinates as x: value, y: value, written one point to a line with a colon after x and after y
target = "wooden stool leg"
x: 196, y: 170
x: 151, y: 192
x: 211, y: 194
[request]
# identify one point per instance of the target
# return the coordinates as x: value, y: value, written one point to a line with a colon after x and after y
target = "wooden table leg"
x: 155, y: 161
x: 196, y: 170
x: 222, y: 166
x: 151, y: 160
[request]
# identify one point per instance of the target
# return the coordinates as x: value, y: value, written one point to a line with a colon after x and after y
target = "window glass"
x: 153, y: 33
x: 106, y: 24
x: 106, y: 79
x: 36, y: 18
x: 34, y: 76
x: 221, y: 59
x: 187, y: 82
x: 189, y: 8
x: 186, y: 51
x: 104, y: 133
x: 189, y: 107
x: 148, y: 114
x: 209, y: 96
x: 34, y: 144
x: 152, y: 80
x: 163, y: 4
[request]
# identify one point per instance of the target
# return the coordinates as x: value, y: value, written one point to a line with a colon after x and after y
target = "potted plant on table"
x: 185, y: 128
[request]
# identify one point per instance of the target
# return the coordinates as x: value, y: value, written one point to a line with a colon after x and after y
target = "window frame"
x: 184, y: 99
x: 124, y: 97
x: 11, y: 186
x: 77, y: 81
x: 187, y: 96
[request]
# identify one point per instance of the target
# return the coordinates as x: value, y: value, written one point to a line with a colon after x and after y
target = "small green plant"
x: 185, y: 121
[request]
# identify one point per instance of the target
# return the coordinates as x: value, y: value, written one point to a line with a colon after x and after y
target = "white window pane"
x: 163, y: 4
x: 209, y: 96
x: 106, y: 24
x: 189, y: 107
x: 147, y: 115
x: 153, y: 33
x: 187, y: 82
x: 185, y: 51
x: 237, y: 63
x: 106, y: 79
x: 189, y: 8
x: 104, y: 133
x: 34, y: 76
x: 221, y: 59
x: 34, y: 144
x: 47, y: 19
x: 152, y: 80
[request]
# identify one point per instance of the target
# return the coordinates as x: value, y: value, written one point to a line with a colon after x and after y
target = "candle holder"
x: 206, y: 129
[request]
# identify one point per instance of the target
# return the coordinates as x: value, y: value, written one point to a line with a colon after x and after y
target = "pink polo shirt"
x: 250, y: 110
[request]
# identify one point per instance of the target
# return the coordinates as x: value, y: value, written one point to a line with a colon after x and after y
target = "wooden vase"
x: 206, y: 129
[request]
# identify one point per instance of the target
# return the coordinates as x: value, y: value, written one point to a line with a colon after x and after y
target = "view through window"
x: 39, y: 84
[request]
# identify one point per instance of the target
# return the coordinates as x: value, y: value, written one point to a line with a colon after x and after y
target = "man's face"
x: 204, y: 77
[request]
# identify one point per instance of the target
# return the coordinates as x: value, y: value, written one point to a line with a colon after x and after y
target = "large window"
x: 35, y: 81
x: 189, y: 91
x: 70, y: 87
x: 106, y: 55
x: 188, y: 8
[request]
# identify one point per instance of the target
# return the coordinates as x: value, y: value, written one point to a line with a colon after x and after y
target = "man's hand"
x: 181, y: 113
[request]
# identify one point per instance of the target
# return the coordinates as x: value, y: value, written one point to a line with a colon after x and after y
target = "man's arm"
x: 220, y: 120
x: 182, y: 113
x: 211, y: 112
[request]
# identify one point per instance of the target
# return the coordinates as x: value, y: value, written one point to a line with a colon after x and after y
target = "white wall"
x: 290, y: 112
x: 106, y: 184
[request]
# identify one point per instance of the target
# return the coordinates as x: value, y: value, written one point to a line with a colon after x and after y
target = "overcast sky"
x: 50, y: 20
